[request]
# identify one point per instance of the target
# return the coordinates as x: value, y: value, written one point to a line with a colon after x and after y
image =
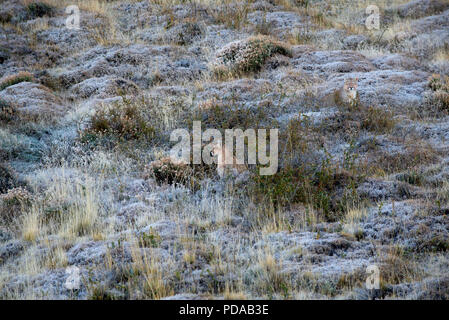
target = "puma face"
x: 219, y: 152
x: 350, y: 89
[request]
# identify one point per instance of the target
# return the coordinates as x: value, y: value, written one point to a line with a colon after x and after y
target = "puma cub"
x: 223, y: 167
x: 346, y: 95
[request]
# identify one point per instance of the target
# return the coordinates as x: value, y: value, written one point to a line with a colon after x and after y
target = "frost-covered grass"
x: 356, y: 185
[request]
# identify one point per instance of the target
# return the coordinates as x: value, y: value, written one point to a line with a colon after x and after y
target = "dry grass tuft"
x: 440, y: 91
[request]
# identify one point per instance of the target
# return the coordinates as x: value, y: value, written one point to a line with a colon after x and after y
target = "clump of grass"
x: 327, y: 188
x: 150, y: 239
x: 440, y: 91
x: 233, y: 17
x: 15, y: 79
x: 152, y: 279
x: 415, y: 155
x: 101, y: 293
x: 301, y: 36
x: 396, y: 267
x: 249, y: 55
x: 187, y: 31
x: 413, y: 177
x: 224, y: 115
x: 377, y: 120
x: 302, y: 3
x: 434, y: 243
x: 269, y: 278
x: 120, y: 121
x: 7, y: 111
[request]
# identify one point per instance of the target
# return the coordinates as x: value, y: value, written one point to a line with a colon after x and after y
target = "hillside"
x: 86, y: 115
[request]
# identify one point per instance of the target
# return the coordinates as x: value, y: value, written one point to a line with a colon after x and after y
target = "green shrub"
x: 150, y: 239
x: 231, y: 16
x: 413, y: 178
x: 328, y: 186
x: 39, y: 9
x: 437, y: 243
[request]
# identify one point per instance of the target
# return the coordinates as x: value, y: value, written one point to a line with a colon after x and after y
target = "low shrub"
x: 248, y: 55
x: 39, y: 9
x: 328, y: 189
x: 122, y: 121
x: 167, y: 171
x: 415, y: 155
x: 15, y: 79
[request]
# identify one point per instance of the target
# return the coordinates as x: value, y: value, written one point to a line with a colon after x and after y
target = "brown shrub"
x: 123, y: 121
x: 7, y: 111
x: 168, y: 171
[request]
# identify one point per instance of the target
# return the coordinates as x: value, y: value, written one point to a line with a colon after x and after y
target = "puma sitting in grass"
x: 346, y: 95
x: 223, y: 166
